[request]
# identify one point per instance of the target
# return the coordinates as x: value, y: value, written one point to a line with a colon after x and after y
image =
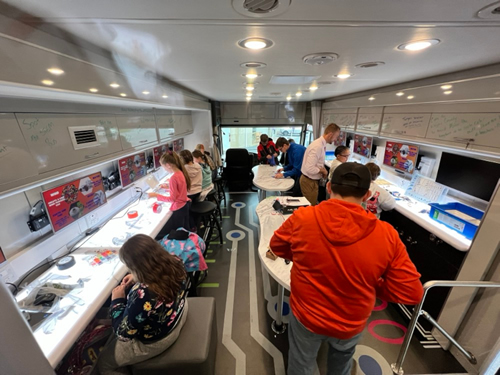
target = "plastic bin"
x: 439, y: 213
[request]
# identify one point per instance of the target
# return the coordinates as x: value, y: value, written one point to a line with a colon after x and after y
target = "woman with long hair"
x: 149, y: 318
x: 194, y: 172
x: 206, y: 183
x: 178, y: 185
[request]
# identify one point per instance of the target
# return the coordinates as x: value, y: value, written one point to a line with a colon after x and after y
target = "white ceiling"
x: 194, y: 42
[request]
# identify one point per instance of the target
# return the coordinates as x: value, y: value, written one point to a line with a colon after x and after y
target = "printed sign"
x: 179, y: 145
x: 69, y: 202
x: 363, y: 145
x: 159, y: 151
x: 340, y: 141
x: 132, y: 168
x: 401, y: 156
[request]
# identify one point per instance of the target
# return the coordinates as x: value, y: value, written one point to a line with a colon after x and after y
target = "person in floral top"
x: 149, y: 318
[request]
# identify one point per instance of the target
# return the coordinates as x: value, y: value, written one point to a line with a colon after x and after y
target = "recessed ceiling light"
x: 93, y: 90
x: 249, y: 97
x: 145, y: 92
x: 288, y: 97
x: 410, y: 97
x: 447, y: 92
x: 401, y: 93
x: 114, y: 85
x: 298, y: 93
x: 250, y: 88
x: 123, y: 94
x: 55, y: 71
x: 446, y: 87
x: 255, y: 43
x: 249, y: 94
x: 251, y: 75
x: 343, y: 75
x: 371, y: 98
x: 418, y: 45
x: 313, y: 88
x: 164, y: 96
x: 48, y: 82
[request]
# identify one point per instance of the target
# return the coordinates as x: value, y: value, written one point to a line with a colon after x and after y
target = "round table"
x: 265, y: 181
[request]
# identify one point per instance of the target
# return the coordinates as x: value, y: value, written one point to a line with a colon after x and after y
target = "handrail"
x: 397, y: 368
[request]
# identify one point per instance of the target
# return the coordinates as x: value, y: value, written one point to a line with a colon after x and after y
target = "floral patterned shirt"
x: 144, y: 316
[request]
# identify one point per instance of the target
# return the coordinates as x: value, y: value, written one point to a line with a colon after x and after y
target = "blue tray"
x: 438, y: 213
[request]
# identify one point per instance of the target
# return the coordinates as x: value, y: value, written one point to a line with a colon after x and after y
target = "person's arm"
x: 128, y: 314
x: 262, y: 154
x: 386, y: 201
x: 401, y: 281
x: 281, y: 240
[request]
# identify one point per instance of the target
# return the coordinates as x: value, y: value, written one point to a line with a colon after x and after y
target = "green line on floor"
x: 217, y: 243
x: 210, y: 251
x: 210, y: 260
x: 226, y: 217
x: 209, y: 285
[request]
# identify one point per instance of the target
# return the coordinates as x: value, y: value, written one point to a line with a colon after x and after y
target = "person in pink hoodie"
x: 178, y: 186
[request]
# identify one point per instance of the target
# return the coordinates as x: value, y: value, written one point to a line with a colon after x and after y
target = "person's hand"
x: 128, y: 280
x: 279, y: 175
x: 280, y: 170
x: 268, y: 156
x: 323, y: 171
x: 152, y: 195
x: 118, y: 292
x: 275, y: 154
x: 164, y: 186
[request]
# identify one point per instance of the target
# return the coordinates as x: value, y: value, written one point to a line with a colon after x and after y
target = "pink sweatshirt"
x: 178, y: 192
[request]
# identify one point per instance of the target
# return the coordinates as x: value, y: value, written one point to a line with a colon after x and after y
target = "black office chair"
x: 238, y: 170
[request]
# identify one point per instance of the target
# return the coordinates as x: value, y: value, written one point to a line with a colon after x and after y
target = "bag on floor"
x: 188, y: 246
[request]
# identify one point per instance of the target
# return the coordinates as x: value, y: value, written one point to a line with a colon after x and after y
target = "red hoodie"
x: 343, y: 257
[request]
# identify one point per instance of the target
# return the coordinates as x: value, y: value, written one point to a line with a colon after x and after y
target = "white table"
x: 100, y: 280
x: 265, y: 181
x: 280, y: 271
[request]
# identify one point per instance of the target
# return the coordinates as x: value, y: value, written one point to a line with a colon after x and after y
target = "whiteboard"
x: 136, y: 130
x: 368, y: 122
x: 482, y: 128
x: 410, y: 124
x: 16, y: 162
x: 346, y: 121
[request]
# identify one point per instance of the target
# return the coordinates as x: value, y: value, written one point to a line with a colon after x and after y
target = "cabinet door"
x: 482, y: 129
x: 346, y: 121
x: 183, y: 124
x: 16, y: 162
x: 368, y: 122
x: 405, y: 125
x: 288, y: 111
x: 166, y: 128
x: 263, y: 111
x: 49, y: 140
x: 136, y: 130
x: 234, y: 111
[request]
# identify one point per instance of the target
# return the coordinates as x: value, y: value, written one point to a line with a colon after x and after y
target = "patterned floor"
x: 244, y: 296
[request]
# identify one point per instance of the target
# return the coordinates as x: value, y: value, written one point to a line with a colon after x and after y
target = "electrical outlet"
x: 92, y: 219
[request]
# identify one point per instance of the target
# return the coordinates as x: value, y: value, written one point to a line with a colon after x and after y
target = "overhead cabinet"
x: 234, y: 111
x: 183, y: 124
x: 368, y: 120
x: 60, y: 140
x: 263, y: 111
x: 293, y: 112
x: 165, y: 123
x: 136, y: 130
x: 405, y: 125
x: 346, y: 121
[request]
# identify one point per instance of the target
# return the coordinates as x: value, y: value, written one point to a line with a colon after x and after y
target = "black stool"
x: 212, y: 196
x: 207, y: 211
x: 221, y: 194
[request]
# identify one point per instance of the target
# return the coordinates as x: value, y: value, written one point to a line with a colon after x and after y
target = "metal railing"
x: 397, y: 368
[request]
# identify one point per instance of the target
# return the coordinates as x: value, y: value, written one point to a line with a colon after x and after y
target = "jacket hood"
x: 344, y: 223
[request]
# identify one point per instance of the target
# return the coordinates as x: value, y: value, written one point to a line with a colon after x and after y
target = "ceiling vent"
x: 83, y: 136
x: 261, y: 8
x: 320, y: 58
x: 371, y: 64
x: 491, y: 12
x: 253, y: 65
x: 323, y: 83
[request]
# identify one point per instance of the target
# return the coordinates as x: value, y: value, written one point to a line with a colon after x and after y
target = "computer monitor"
x: 341, y: 139
x: 132, y: 168
x: 363, y: 145
x: 157, y: 153
x: 401, y: 156
x: 71, y: 201
x: 2, y: 256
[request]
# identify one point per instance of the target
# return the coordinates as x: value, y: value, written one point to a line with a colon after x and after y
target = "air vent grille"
x: 320, y: 58
x: 371, y: 64
x: 83, y: 136
x: 260, y: 6
x: 253, y: 64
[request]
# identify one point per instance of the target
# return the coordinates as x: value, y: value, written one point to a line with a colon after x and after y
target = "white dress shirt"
x: 335, y: 164
x: 314, y: 159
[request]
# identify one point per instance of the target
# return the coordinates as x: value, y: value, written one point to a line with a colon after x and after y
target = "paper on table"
x: 302, y: 201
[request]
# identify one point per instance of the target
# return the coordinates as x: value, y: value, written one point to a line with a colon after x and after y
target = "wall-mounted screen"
x: 132, y: 168
x: 363, y: 145
x: 468, y: 175
x: 69, y: 202
x: 340, y: 141
x: 401, y: 156
x: 159, y: 151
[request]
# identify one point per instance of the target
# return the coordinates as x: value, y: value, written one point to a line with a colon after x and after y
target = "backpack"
x: 189, y: 249
x: 372, y: 203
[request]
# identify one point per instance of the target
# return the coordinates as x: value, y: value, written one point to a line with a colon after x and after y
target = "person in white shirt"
x: 381, y: 199
x: 342, y: 154
x: 313, y: 166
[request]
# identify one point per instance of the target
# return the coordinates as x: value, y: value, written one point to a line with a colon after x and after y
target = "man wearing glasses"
x: 342, y: 154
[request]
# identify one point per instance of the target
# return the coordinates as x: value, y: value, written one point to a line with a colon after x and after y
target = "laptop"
x: 152, y: 182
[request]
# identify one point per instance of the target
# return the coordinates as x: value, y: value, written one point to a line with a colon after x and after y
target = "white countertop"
x: 99, y: 280
x: 264, y: 179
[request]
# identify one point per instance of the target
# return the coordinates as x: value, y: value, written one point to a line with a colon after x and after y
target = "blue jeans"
x: 304, y: 347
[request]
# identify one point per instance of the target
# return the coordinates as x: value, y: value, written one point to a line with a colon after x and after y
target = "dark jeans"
x: 304, y: 346
x: 179, y: 218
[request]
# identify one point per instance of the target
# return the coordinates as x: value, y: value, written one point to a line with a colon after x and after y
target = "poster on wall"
x: 132, y: 168
x: 157, y: 153
x: 341, y: 140
x: 363, y: 145
x: 69, y: 202
x: 179, y: 145
x: 401, y: 156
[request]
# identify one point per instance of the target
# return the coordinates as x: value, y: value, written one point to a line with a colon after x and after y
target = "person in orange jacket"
x: 343, y: 258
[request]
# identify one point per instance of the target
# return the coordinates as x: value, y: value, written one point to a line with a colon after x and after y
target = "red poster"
x: 71, y: 201
x: 158, y: 152
x: 179, y: 145
x: 401, y: 156
x: 363, y: 145
x: 132, y: 168
x: 340, y: 141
